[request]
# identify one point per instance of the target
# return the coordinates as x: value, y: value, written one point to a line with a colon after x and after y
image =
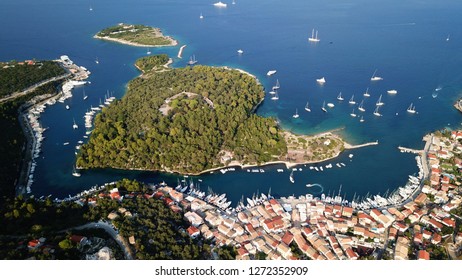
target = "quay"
x: 180, y: 52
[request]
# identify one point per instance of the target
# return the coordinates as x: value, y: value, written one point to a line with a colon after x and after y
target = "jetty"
x: 349, y: 146
x: 409, y: 150
x: 180, y: 52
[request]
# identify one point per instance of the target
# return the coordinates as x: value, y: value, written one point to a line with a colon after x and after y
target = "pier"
x: 180, y: 52
x: 349, y: 146
x: 409, y: 150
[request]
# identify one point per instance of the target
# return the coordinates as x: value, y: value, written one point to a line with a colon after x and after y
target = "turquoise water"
x: 404, y: 40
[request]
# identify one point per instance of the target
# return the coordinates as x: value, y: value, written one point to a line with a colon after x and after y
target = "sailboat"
x: 275, y: 97
x: 339, y: 97
x: 376, y: 111
x: 379, y: 101
x: 411, y: 109
x: 361, y: 119
x: 277, y: 86
x: 296, y: 115
x: 148, y: 52
x: 324, y: 107
x: 291, y: 177
x: 314, y: 38
x: 192, y: 60
x: 96, y: 61
x: 353, y: 113
x: 360, y: 108
x: 367, y: 94
x: 447, y: 39
x: 84, y: 96
x: 376, y: 78
x: 307, y: 107
x: 352, y: 100
x: 201, y: 16
x: 75, y: 173
x: 272, y: 91
x: 91, y: 9
x: 75, y: 126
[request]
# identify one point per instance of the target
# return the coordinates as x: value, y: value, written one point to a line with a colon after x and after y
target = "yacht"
x: 96, y: 61
x: 353, y: 113
x: 352, y: 100
x: 291, y: 177
x: 376, y: 111
x: 324, y: 107
x: 314, y: 36
x: 296, y: 115
x: 272, y: 92
x: 361, y: 119
x: 220, y: 4
x: 376, y: 78
x: 321, y: 80
x: 75, y: 126
x: 361, y: 108
x: 148, y: 52
x: 201, y: 16
x: 277, y: 86
x: 192, y: 60
x: 275, y: 96
x: 330, y: 105
x: 367, y: 94
x: 75, y: 173
x: 307, y: 107
x: 339, y: 97
x: 271, y: 72
x: 67, y: 107
x: 411, y: 109
x: 239, y: 51
x: 392, y: 91
x: 379, y: 101
x: 84, y: 95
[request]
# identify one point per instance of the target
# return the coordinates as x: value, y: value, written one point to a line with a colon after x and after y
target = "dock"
x: 349, y: 146
x: 180, y: 52
x: 409, y: 150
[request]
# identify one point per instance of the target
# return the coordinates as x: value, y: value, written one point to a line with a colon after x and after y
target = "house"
x: 78, y: 238
x: 193, y: 231
x: 131, y: 240
x: 423, y: 255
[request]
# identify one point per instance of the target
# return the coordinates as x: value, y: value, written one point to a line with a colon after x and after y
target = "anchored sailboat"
x: 411, y: 109
x: 339, y: 97
x: 314, y: 37
x: 275, y: 96
x: 360, y: 108
x: 291, y: 177
x: 376, y: 111
x: 324, y: 107
x: 376, y: 78
x: 307, y: 107
x: 352, y: 100
x: 379, y: 101
x: 277, y: 86
x: 367, y: 94
x: 353, y: 113
x: 296, y: 115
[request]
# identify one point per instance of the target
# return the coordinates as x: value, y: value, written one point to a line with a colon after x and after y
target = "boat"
x: 275, y: 96
x: 234, y: 2
x: 272, y: 92
x: 67, y: 107
x: 291, y: 177
x: 148, y: 52
x: 75, y: 173
x: 392, y: 91
x: 65, y: 143
x: 367, y: 94
x: 324, y: 107
x: 379, y: 101
x: 220, y: 5
x: 296, y: 115
x: 84, y: 95
x: 376, y: 78
x: 271, y: 72
x: 411, y: 109
x: 277, y: 85
x: 447, y: 38
x: 239, y: 51
x: 339, y: 97
x: 353, y: 113
x: 361, y: 119
x: 75, y: 126
x: 330, y: 105
x: 314, y: 36
x: 361, y: 108
x: 192, y: 60
x: 376, y: 111
x: 321, y: 80
x: 201, y: 16
x: 91, y: 9
x: 96, y: 61
x: 307, y: 107
x: 352, y: 100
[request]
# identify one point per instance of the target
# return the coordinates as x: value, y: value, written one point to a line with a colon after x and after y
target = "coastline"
x: 173, y: 42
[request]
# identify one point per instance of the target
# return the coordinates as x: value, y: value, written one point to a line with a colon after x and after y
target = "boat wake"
x: 318, y: 188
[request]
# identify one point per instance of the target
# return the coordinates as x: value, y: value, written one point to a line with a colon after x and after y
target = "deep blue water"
x: 404, y: 40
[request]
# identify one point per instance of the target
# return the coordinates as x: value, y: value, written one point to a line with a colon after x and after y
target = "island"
x: 136, y: 35
x: 192, y: 120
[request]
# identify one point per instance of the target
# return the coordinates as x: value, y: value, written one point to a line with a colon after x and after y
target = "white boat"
x: 65, y: 143
x: 392, y: 91
x: 367, y: 94
x: 272, y: 92
x: 67, y: 107
x: 447, y: 38
x: 84, y: 95
x: 220, y: 5
x: 291, y: 177
x: 353, y: 113
x: 201, y: 16
x: 314, y: 36
x: 411, y: 109
x: 239, y: 51
x: 324, y: 107
x: 75, y: 173
x: 192, y: 60
x: 352, y: 100
x: 307, y: 107
x: 277, y: 85
x: 275, y: 97
x: 91, y: 9
x: 96, y: 61
x: 339, y: 97
x: 75, y: 126
x: 296, y: 115
x: 271, y: 72
x: 148, y: 51
x: 379, y: 101
x: 376, y: 111
x: 361, y: 108
x: 321, y: 80
x: 330, y: 105
x: 376, y: 78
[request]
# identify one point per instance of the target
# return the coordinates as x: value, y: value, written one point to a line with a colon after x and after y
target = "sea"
x: 414, y: 45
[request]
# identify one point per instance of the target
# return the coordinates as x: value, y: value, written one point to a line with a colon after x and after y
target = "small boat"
x: 75, y: 173
x: 367, y: 94
x: 330, y: 105
x: 91, y: 9
x: 392, y: 91
x: 148, y: 52
x: 352, y: 100
x: 411, y: 109
x: 324, y: 107
x: 379, y: 101
x: 239, y: 51
x: 339, y: 97
x: 192, y: 60
x: 275, y: 97
x: 75, y: 126
x: 84, y: 95
x: 277, y: 85
x: 271, y: 72
x: 296, y: 115
x: 361, y: 119
x: 272, y: 92
x: 376, y: 78
x: 96, y: 61
x: 291, y: 177
x: 201, y: 16
x: 321, y: 80
x: 65, y: 143
x: 307, y: 107
x: 314, y: 36
x: 220, y: 4
x: 361, y: 108
x: 67, y: 107
x: 353, y: 113
x: 376, y: 111
x: 447, y: 38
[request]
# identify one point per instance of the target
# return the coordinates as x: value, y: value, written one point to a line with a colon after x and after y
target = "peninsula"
x: 135, y: 35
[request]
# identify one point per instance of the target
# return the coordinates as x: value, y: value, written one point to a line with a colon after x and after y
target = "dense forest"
x: 137, y: 33
x: 149, y: 63
x: 16, y: 77
x: 183, y: 120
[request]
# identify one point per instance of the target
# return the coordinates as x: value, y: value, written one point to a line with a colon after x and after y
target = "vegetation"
x: 183, y: 120
x: 139, y: 34
x: 149, y: 63
x: 16, y: 77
